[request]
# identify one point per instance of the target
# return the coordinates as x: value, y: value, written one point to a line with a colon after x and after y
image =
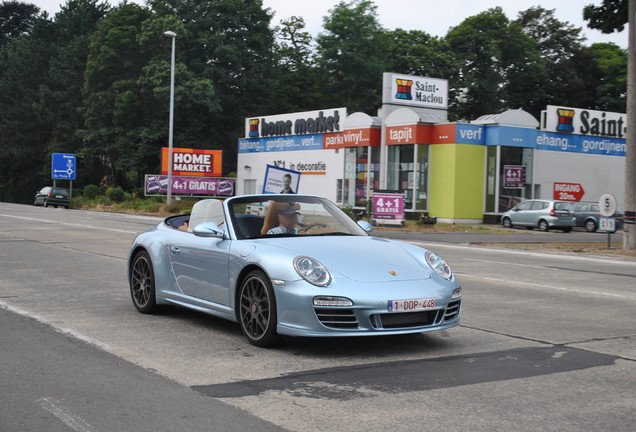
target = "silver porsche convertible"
x: 291, y: 265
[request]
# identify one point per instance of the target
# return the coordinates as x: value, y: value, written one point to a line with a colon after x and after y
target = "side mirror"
x: 365, y: 226
x: 208, y: 229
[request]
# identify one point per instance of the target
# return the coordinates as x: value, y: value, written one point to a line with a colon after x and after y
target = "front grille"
x: 452, y: 310
x: 405, y: 320
x: 337, y: 318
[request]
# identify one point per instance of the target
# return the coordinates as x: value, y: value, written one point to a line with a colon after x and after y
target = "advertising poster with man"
x: 280, y: 180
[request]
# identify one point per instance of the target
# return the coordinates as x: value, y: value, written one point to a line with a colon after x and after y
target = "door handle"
x: 175, y: 250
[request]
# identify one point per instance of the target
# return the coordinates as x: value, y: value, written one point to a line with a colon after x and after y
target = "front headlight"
x: 438, y: 264
x: 312, y: 271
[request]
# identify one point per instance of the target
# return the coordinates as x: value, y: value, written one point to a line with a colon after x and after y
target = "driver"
x: 287, y: 220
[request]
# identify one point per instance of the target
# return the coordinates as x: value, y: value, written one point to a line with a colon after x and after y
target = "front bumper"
x: 297, y: 316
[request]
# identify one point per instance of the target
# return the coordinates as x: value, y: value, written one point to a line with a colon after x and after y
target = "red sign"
x: 568, y: 191
x: 514, y: 176
x: 192, y: 162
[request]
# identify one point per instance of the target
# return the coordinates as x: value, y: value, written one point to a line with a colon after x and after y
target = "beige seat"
x: 207, y: 210
x: 271, y: 215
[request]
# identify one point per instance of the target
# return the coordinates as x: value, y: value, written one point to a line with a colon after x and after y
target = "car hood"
x: 360, y: 258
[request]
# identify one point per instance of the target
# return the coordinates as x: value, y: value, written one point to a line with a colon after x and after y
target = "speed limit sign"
x: 607, y: 205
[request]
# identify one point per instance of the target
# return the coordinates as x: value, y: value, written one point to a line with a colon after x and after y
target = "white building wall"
x: 313, y: 180
x: 598, y: 174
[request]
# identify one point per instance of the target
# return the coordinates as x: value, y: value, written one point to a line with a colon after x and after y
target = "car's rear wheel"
x: 46, y: 203
x: 543, y: 225
x: 257, y: 309
x: 142, y: 283
x: 506, y: 222
x: 590, y: 225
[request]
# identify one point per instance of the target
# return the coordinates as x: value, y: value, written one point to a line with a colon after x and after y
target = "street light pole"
x: 172, y: 35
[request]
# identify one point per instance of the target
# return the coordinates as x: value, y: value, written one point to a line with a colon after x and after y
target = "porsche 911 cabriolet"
x: 291, y: 265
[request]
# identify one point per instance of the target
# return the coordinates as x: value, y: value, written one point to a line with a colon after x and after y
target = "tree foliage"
x: 609, y: 17
x: 351, y: 56
x: 94, y: 79
x: 16, y: 19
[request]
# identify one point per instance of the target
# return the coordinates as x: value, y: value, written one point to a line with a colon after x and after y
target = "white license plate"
x: 59, y: 196
x: 410, y: 305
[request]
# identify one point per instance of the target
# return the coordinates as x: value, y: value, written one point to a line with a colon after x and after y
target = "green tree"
x: 611, y: 85
x: 24, y: 132
x: 609, y: 17
x: 230, y: 43
x: 561, y: 47
x: 61, y: 98
x: 352, y: 56
x: 498, y: 66
x: 297, y: 78
x: 16, y: 19
x: 418, y: 53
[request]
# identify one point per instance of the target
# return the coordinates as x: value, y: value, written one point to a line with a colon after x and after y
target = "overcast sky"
x: 432, y: 16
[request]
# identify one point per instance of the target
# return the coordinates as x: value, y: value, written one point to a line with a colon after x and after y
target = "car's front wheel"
x: 257, y: 309
x: 142, y: 283
x: 506, y: 222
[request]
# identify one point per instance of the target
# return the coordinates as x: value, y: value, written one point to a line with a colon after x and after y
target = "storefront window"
x: 361, y: 173
x: 421, y: 199
x: 512, y: 193
x: 401, y: 172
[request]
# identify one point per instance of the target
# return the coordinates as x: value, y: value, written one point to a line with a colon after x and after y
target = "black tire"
x: 590, y: 225
x: 257, y: 309
x: 543, y: 226
x: 506, y: 222
x: 46, y: 203
x: 142, y: 283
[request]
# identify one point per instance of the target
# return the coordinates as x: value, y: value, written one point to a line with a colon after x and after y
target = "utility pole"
x: 629, y: 238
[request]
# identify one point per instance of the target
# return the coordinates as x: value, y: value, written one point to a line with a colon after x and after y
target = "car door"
x: 520, y: 216
x: 200, y: 267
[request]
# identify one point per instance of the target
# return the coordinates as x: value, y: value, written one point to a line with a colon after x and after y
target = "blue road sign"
x: 63, y: 166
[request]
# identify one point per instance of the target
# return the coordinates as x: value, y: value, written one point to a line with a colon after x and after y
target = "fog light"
x: 457, y: 293
x: 332, y: 301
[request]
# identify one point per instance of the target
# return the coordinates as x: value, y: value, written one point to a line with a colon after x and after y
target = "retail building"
x: 458, y: 172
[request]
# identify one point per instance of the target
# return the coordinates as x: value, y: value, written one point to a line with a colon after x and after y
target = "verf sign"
x: 192, y: 162
x: 568, y: 191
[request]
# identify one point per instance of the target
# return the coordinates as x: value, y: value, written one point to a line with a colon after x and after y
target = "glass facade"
x: 408, y: 174
x: 361, y: 176
x: 503, y: 190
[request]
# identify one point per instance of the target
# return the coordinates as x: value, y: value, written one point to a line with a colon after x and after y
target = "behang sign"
x: 415, y: 91
x: 301, y: 123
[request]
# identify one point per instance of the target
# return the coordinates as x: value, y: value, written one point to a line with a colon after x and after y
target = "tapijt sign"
x: 192, y: 162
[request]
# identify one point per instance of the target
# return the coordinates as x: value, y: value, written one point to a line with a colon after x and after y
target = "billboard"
x: 218, y: 186
x: 280, y: 180
x: 415, y: 91
x: 192, y: 162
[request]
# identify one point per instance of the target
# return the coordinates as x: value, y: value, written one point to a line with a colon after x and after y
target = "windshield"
x: 285, y: 216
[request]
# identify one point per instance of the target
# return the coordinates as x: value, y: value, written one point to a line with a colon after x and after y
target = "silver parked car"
x: 588, y: 215
x: 542, y: 214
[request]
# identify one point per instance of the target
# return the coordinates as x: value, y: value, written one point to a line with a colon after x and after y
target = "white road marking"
x: 74, y: 422
x: 63, y: 330
x: 74, y: 225
x: 596, y: 259
x: 549, y: 287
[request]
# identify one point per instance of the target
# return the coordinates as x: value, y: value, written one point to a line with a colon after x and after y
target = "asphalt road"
x: 547, y: 342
